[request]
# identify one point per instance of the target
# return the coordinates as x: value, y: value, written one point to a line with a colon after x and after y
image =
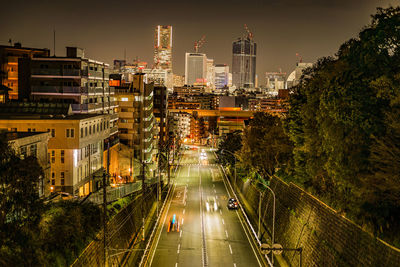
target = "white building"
x: 195, y: 68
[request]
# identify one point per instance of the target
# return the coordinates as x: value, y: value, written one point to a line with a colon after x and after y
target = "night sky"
x: 282, y: 28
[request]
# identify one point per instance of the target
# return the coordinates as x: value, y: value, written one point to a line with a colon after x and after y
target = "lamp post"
x: 223, y: 151
x: 273, y: 217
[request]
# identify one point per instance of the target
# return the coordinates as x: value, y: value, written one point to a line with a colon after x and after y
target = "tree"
x: 266, y: 146
x: 232, y: 142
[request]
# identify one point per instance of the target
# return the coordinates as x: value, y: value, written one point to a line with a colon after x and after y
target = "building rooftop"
x: 17, y: 135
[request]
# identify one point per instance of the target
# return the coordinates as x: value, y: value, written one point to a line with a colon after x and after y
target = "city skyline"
x: 281, y: 28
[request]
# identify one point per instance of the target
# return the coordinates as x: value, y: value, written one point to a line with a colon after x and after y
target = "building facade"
x: 275, y: 81
x: 244, y: 63
x: 221, y: 77
x: 33, y: 144
x: 195, y: 68
x: 75, y: 148
x: 163, y: 47
x: 9, y: 56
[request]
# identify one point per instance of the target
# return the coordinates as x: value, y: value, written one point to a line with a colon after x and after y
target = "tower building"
x: 244, y: 62
x: 195, y: 68
x: 163, y: 47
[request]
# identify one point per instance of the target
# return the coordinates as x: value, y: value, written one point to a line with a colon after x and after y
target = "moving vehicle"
x: 173, y: 224
x: 233, y: 204
x: 211, y: 204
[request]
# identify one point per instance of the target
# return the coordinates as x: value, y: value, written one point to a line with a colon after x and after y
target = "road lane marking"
x: 182, y: 220
x: 230, y: 248
x: 226, y: 233
x: 179, y: 248
x: 223, y: 222
x: 234, y: 265
x: 220, y: 211
x: 183, y: 211
x: 176, y: 264
x: 180, y: 234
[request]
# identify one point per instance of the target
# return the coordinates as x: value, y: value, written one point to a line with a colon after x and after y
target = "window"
x: 53, y: 175
x: 90, y: 129
x: 53, y: 132
x: 33, y: 150
x: 97, y: 127
x: 81, y: 132
x: 72, y: 133
x: 62, y: 181
x: 85, y: 131
x: 53, y: 160
x: 29, y: 129
x: 62, y: 175
x: 124, y: 99
x: 67, y: 133
x: 101, y: 126
x: 23, y: 152
x: 53, y: 182
x: 62, y: 156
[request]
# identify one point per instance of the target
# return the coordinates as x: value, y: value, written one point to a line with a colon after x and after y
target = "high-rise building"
x: 210, y: 77
x: 9, y: 56
x: 163, y: 47
x: 221, y: 76
x: 244, y: 63
x: 195, y: 68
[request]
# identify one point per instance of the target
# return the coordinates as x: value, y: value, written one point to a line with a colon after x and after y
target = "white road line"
x: 188, y: 172
x: 230, y: 248
x: 182, y: 220
x: 220, y: 211
x: 223, y: 222
x: 176, y: 264
x: 226, y: 233
x: 179, y: 248
x: 234, y: 265
x: 183, y: 211
x: 180, y: 234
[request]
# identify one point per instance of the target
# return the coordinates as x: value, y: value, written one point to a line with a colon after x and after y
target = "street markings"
x: 230, y: 248
x: 179, y: 248
x: 183, y: 211
x: 226, y: 233
x: 223, y: 222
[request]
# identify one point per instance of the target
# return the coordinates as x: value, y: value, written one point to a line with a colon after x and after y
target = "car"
x: 173, y: 225
x: 233, y: 204
x: 211, y: 204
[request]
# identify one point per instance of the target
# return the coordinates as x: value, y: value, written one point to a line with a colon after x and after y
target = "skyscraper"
x: 195, y: 68
x: 244, y: 63
x: 221, y: 76
x: 163, y: 47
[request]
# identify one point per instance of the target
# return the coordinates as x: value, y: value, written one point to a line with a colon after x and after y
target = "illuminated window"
x: 124, y: 99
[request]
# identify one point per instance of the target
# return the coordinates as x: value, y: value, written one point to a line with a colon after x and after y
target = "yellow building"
x: 75, y: 147
x: 9, y: 56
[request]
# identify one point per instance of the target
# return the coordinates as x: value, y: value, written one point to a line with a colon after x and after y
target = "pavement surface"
x: 205, y: 237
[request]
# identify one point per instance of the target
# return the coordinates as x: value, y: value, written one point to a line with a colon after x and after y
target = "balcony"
x: 113, y: 130
x: 113, y: 104
x: 79, y: 108
x: 58, y: 72
x: 59, y: 89
x: 114, y: 117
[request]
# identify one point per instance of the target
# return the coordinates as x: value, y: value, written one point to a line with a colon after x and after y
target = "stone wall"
x: 327, y: 238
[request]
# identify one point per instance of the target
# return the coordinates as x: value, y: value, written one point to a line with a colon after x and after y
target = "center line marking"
x: 234, y: 265
x: 179, y: 247
x: 176, y: 264
x: 180, y: 234
x: 183, y: 211
x: 220, y: 211
x: 182, y: 220
x: 230, y: 248
x: 226, y: 233
x: 223, y: 222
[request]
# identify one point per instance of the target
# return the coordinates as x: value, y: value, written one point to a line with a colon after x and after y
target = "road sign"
x: 277, y: 249
x: 265, y: 248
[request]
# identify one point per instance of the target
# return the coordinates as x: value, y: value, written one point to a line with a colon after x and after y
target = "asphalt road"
x: 205, y: 238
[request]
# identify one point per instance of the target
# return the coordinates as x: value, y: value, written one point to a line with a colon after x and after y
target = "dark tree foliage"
x: 232, y: 142
x: 337, y: 123
x: 266, y: 146
x: 32, y: 233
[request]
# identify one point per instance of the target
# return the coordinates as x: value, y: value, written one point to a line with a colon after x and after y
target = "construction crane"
x: 299, y: 57
x: 249, y: 33
x: 198, y: 44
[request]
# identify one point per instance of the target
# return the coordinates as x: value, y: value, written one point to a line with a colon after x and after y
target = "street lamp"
x: 273, y: 217
x: 223, y: 151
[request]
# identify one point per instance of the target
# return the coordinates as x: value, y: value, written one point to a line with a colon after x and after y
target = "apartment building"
x: 9, y: 68
x: 76, y: 143
x: 136, y: 119
x: 33, y: 144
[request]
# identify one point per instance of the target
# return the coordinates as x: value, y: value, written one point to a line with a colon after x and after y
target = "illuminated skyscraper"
x: 163, y: 47
x: 244, y: 63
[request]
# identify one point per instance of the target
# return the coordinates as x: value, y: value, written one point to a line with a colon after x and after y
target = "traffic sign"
x: 265, y: 249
